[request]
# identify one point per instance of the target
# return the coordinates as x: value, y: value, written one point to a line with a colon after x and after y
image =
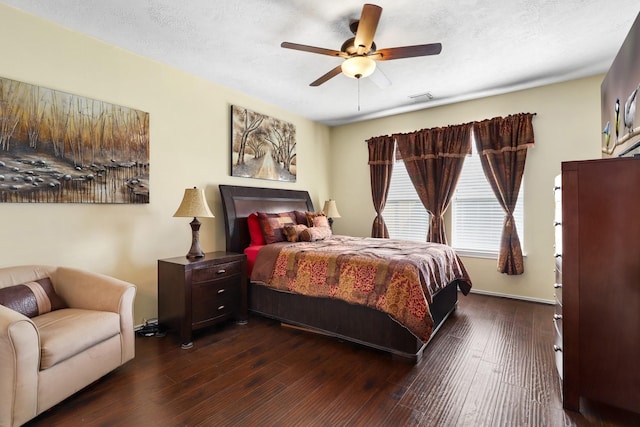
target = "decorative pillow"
x: 292, y: 232
x: 317, y: 219
x: 272, y: 225
x: 255, y: 230
x: 313, y: 234
x: 321, y: 221
x: 301, y: 217
x: 31, y: 299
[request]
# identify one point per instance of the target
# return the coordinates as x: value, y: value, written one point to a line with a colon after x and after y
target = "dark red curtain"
x: 434, y: 158
x: 381, y: 159
x: 502, y: 143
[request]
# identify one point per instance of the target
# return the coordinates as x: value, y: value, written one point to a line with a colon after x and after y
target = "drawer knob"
x: 557, y: 285
x: 220, y: 291
x: 222, y: 271
x: 557, y: 223
x: 221, y: 307
x: 557, y: 349
x: 557, y: 255
x: 557, y: 316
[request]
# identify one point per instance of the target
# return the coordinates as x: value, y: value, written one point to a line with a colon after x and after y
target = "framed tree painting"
x: 56, y: 147
x: 262, y: 147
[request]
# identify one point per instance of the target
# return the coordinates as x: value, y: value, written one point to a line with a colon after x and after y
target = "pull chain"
x: 358, y: 93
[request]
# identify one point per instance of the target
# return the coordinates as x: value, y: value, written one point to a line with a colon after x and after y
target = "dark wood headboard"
x: 239, y: 202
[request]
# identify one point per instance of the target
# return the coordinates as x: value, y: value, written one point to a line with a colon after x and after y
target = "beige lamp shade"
x: 194, y: 204
x: 330, y: 209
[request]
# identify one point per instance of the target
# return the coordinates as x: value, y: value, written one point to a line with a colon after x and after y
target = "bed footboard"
x: 353, y: 323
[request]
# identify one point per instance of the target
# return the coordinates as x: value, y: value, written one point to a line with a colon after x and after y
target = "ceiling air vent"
x: 421, y: 97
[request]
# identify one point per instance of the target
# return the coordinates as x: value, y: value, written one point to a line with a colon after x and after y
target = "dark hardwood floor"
x: 491, y: 364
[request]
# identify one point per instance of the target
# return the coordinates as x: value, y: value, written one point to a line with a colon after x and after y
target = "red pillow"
x: 255, y: 230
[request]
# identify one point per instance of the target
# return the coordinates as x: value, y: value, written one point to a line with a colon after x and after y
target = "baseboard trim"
x: 501, y: 295
x: 150, y: 322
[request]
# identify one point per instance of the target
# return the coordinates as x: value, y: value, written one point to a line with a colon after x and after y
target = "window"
x: 476, y: 216
x: 404, y: 214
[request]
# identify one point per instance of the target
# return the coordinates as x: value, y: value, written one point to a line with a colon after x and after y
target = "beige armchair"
x: 46, y: 358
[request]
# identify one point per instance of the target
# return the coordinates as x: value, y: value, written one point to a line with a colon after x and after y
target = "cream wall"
x: 189, y: 134
x: 566, y: 127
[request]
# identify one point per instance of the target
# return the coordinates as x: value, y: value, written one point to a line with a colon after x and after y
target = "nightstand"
x: 194, y: 294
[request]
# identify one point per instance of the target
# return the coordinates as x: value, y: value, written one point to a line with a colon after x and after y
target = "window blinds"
x: 477, y: 218
x: 404, y: 214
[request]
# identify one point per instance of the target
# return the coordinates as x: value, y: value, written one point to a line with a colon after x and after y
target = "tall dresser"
x: 600, y: 279
x: 557, y: 285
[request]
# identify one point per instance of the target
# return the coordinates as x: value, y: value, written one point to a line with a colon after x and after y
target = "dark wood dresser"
x: 600, y: 277
x: 557, y: 285
x: 194, y: 294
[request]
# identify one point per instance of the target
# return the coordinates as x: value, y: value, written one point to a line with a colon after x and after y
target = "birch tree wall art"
x: 262, y: 147
x: 56, y: 147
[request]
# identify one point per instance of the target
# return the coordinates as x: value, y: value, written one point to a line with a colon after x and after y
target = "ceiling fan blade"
x: 367, y: 27
x: 407, y: 51
x: 312, y: 49
x: 327, y: 76
x: 379, y: 78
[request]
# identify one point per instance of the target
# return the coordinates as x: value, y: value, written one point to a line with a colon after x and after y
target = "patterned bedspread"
x: 393, y: 276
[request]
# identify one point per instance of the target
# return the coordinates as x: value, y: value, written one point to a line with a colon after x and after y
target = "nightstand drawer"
x: 218, y: 271
x: 211, y: 300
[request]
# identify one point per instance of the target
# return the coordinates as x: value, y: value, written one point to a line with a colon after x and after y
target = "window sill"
x: 476, y: 254
x: 479, y: 254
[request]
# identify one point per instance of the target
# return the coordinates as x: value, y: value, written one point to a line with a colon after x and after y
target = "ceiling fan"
x: 360, y: 53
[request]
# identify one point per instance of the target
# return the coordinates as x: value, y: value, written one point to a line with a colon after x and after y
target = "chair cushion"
x: 67, y: 332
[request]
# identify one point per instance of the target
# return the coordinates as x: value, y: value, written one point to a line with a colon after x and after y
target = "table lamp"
x: 331, y: 211
x: 194, y: 204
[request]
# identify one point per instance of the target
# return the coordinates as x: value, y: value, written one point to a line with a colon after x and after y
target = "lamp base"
x: 195, y: 252
x: 195, y: 255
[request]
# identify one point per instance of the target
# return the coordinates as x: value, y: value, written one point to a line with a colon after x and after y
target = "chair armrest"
x: 19, y: 366
x: 93, y: 291
x: 88, y: 290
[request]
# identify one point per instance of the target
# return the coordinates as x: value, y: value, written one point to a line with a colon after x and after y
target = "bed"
x: 330, y: 316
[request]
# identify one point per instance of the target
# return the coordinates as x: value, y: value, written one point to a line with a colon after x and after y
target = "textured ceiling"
x: 488, y: 47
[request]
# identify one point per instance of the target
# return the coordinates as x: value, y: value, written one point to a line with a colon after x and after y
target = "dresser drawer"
x: 558, y: 238
x: 558, y: 270
x: 557, y: 318
x: 557, y: 349
x: 218, y: 271
x: 557, y: 196
x: 558, y: 294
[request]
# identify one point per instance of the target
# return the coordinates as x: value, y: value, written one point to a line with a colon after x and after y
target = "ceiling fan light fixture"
x: 358, y: 67
x: 360, y: 52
